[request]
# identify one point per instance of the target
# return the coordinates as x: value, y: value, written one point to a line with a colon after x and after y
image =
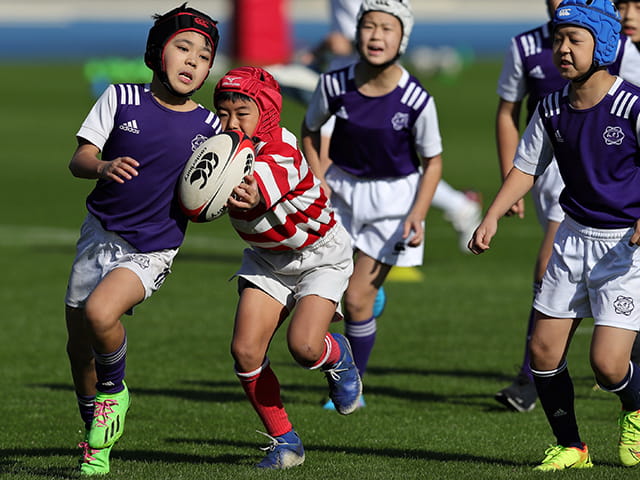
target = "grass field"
x: 447, y: 341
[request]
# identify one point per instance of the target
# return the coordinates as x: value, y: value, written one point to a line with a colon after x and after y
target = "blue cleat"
x: 380, y: 302
x: 285, y: 451
x: 330, y: 406
x: 345, y: 385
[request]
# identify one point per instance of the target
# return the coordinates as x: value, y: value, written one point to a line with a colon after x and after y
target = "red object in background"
x: 261, y: 32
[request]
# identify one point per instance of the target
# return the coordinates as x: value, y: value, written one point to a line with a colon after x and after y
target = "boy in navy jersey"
x: 591, y: 125
x: 135, y: 142
x: 528, y: 71
x: 386, y: 159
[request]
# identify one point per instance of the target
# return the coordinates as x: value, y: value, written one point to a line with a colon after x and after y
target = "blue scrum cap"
x: 601, y: 18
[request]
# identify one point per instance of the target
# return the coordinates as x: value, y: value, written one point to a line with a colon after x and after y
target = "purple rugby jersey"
x: 128, y: 121
x: 376, y: 137
x: 597, y: 152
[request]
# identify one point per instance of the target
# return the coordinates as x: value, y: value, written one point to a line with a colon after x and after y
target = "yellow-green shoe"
x: 108, y: 418
x: 558, y: 457
x: 94, y: 461
x: 629, y: 444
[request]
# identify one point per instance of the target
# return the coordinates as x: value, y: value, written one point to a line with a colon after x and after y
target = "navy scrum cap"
x: 601, y: 18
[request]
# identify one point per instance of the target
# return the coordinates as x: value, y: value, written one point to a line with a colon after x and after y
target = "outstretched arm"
x: 515, y: 186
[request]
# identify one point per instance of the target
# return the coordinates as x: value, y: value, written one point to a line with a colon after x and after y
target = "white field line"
x: 34, y: 236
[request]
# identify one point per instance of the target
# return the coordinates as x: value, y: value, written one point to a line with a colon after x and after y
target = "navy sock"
x: 555, y: 390
x: 628, y: 390
x: 110, y: 369
x: 362, y: 337
x: 86, y: 405
x: 526, y: 361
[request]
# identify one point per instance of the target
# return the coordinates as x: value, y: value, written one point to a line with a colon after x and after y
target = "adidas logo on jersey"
x: 130, y: 126
x: 536, y: 72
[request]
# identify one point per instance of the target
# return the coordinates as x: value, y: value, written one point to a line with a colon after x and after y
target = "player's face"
x: 572, y: 51
x: 187, y: 58
x: 630, y: 13
x: 380, y: 35
x: 239, y: 115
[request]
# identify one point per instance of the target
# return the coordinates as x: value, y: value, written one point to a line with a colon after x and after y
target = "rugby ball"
x: 214, y: 169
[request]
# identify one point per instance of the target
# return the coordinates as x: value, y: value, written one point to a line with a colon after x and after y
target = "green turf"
x: 446, y: 343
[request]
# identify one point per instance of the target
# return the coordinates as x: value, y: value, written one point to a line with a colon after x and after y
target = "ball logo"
x: 203, y: 170
x: 248, y: 164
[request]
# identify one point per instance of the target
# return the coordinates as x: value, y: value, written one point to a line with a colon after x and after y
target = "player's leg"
x: 462, y: 208
x: 257, y: 319
x: 313, y: 347
x: 521, y: 395
x: 360, y: 324
x: 118, y: 292
x: 549, y: 344
x: 610, y: 353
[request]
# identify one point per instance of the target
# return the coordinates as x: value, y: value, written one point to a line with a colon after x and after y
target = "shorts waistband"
x: 596, y: 233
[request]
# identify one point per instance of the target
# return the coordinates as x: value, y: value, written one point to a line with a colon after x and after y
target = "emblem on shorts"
x: 400, y: 120
x: 623, y: 305
x: 613, y: 136
x: 141, y: 260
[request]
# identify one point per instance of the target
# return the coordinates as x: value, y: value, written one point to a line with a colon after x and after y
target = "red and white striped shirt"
x: 296, y: 211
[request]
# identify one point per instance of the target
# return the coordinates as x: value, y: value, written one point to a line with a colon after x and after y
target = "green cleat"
x: 108, y: 418
x: 629, y: 445
x: 558, y: 457
x: 94, y: 461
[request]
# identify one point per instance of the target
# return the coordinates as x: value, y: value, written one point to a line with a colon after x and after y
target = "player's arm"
x: 432, y: 173
x: 507, y: 136
x: 85, y: 163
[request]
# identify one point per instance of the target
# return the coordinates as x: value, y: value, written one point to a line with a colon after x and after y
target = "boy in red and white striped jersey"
x: 300, y: 257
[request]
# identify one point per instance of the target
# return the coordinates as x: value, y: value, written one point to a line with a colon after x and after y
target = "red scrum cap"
x: 262, y: 88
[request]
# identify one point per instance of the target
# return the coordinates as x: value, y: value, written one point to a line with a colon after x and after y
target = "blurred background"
x: 81, y: 29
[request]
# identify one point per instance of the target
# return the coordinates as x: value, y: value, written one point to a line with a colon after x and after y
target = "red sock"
x: 263, y: 391
x: 330, y: 353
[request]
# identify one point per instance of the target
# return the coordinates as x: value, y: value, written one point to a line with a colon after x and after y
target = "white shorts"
x: 99, y: 251
x: 321, y: 269
x: 373, y: 212
x: 592, y: 273
x: 546, y: 195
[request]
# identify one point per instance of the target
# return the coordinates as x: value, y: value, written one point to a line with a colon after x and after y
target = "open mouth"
x: 186, y: 77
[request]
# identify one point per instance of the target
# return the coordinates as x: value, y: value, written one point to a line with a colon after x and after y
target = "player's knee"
x: 304, y: 353
x: 608, y: 371
x: 358, y: 303
x: 245, y: 356
x: 98, y: 317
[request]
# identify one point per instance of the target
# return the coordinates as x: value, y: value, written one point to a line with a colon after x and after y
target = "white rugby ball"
x: 214, y: 169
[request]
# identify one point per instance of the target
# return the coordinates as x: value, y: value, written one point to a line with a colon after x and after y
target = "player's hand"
x: 516, y: 210
x: 245, y: 196
x: 414, y: 225
x: 119, y: 169
x: 635, y: 238
x: 481, y: 238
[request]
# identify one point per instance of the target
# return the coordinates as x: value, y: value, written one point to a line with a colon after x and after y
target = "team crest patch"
x: 400, y: 120
x: 623, y: 305
x: 613, y: 136
x: 197, y: 141
x: 141, y: 260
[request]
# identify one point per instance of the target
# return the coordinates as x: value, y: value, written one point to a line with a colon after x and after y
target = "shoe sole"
x: 512, y: 404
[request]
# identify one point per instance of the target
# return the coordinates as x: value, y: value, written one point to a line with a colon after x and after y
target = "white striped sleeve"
x: 535, y: 151
x: 426, y: 131
x: 97, y: 127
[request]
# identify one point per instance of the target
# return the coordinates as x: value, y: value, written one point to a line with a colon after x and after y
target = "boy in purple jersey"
x: 528, y: 71
x: 386, y: 159
x: 592, y: 126
x: 135, y: 142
